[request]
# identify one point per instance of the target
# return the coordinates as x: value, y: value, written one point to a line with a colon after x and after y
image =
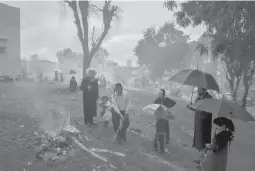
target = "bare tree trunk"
x: 232, y: 88
x: 237, y: 83
x: 247, y: 84
x: 86, y: 61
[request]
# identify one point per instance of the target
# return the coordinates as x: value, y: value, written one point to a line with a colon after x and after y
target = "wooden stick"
x: 88, y: 150
x: 91, y: 152
x: 106, y: 151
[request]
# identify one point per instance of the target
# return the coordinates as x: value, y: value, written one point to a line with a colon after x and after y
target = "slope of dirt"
x: 23, y: 106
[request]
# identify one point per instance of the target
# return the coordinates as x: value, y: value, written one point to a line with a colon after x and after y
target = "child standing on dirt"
x: 105, y: 110
x: 162, y: 125
x: 160, y: 136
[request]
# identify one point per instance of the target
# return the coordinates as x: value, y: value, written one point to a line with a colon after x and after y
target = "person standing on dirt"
x: 202, y: 127
x: 162, y: 126
x: 73, y: 84
x: 89, y: 86
x: 120, y: 117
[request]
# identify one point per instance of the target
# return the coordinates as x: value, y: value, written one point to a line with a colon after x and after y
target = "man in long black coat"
x: 89, y: 86
x: 203, y: 125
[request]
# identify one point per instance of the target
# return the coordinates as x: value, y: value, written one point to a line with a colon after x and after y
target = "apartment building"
x: 10, y: 60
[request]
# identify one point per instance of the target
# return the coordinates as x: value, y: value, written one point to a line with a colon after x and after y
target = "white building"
x: 10, y: 61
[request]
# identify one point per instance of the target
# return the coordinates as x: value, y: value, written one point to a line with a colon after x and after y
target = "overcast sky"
x: 45, y: 28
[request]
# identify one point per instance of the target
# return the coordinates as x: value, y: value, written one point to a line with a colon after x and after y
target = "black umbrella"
x: 197, y: 78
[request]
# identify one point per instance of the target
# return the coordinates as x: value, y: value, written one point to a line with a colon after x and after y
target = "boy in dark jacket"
x: 162, y: 125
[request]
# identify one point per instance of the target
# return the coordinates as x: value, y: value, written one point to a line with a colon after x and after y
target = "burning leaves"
x: 57, y: 142
x: 54, y: 148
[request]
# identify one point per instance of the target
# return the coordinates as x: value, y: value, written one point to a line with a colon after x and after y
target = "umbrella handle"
x: 192, y: 95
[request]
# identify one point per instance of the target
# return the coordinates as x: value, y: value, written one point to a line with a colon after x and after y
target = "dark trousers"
x: 159, y: 141
x: 162, y: 126
x: 167, y: 132
x: 116, y: 120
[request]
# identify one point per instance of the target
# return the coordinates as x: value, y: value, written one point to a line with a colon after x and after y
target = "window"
x: 2, y: 50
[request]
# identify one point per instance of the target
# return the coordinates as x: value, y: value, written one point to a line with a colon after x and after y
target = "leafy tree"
x: 34, y: 57
x: 162, y: 49
x: 82, y: 10
x: 66, y: 53
x: 230, y: 25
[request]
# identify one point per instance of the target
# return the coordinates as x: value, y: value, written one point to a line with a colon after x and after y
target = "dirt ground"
x: 22, y: 106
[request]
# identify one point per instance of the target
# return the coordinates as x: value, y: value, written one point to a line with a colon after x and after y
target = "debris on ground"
x: 60, y: 139
x: 49, y: 148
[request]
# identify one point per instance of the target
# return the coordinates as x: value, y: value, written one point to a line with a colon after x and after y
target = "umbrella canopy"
x: 223, y: 108
x: 151, y: 109
x: 158, y: 111
x: 196, y: 78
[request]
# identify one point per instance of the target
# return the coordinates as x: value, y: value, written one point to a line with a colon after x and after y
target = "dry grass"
x: 35, y: 101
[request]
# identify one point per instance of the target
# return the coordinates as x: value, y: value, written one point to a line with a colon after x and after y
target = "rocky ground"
x: 24, y: 107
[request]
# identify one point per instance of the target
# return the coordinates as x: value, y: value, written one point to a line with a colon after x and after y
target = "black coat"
x: 73, y: 85
x: 89, y: 86
x: 202, y: 127
x: 166, y: 102
x: 221, y: 140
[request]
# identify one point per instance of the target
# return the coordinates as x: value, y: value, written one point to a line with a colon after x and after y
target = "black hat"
x: 220, y: 121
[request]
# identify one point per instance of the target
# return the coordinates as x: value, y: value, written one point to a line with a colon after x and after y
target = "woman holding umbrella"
x: 217, y: 158
x: 203, y: 125
x: 202, y: 120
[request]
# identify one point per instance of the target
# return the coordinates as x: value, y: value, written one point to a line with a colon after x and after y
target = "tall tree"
x: 101, y: 55
x: 231, y: 27
x: 34, y: 57
x: 82, y: 10
x: 67, y: 53
x: 162, y: 49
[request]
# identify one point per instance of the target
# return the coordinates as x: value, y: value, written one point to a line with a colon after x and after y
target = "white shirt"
x: 122, y: 102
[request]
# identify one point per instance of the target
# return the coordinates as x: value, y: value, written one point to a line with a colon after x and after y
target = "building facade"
x: 10, y: 60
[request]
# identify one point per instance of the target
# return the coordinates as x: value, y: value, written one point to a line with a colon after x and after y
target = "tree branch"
x: 108, y: 14
x: 92, y: 38
x: 84, y: 8
x: 73, y: 6
x: 96, y: 7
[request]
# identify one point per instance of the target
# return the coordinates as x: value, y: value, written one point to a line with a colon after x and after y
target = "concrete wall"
x: 10, y: 61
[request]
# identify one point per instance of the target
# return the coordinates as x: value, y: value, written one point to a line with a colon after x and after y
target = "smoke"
x: 54, y: 120
x: 104, y: 68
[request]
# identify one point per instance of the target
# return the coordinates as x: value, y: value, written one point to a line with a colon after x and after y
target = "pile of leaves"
x: 54, y: 148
